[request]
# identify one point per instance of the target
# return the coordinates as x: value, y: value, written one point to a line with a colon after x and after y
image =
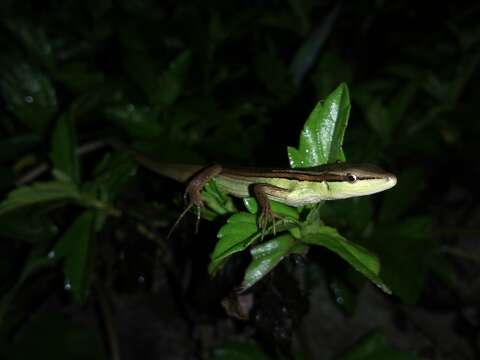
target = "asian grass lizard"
x: 294, y: 187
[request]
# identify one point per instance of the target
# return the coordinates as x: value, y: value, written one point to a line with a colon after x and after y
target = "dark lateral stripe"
x: 289, y: 174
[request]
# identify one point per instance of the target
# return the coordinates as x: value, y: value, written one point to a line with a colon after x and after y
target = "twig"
x: 43, y: 167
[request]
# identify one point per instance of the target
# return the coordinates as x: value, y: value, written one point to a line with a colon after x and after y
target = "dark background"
x: 233, y: 82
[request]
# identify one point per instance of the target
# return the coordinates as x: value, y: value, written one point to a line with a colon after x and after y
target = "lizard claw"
x: 266, y: 217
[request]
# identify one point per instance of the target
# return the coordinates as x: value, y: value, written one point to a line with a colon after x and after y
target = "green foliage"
x: 322, y: 136
x: 236, y: 235
x: 76, y: 248
x: 360, y: 258
x: 64, y: 157
x: 227, y: 83
x: 320, y: 142
x: 267, y: 255
x: 40, y: 193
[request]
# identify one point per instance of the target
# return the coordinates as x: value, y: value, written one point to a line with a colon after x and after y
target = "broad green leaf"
x: 216, y: 200
x: 40, y: 193
x: 76, y: 248
x: 322, y: 135
x: 239, y: 351
x: 29, y: 95
x: 265, y: 257
x: 236, y: 235
x: 63, y: 149
x: 360, y: 258
x: 278, y: 208
x: 375, y: 347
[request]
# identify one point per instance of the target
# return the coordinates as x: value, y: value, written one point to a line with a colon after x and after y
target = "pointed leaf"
x: 76, y: 247
x: 357, y: 256
x: 39, y: 193
x: 236, y: 235
x: 322, y: 135
x: 265, y: 257
x: 278, y: 208
x: 63, y: 150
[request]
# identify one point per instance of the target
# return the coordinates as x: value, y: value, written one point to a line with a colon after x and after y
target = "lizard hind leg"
x: 192, y: 193
x: 261, y: 192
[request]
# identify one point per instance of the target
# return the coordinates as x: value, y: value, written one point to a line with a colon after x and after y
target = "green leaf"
x: 375, y: 347
x: 265, y: 257
x: 39, y: 193
x: 278, y: 208
x: 29, y: 95
x: 239, y: 351
x: 216, y: 200
x: 63, y: 149
x: 322, y: 135
x: 76, y: 248
x: 236, y: 235
x: 357, y: 256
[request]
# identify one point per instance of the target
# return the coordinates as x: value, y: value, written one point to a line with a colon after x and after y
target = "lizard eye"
x: 351, y: 178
